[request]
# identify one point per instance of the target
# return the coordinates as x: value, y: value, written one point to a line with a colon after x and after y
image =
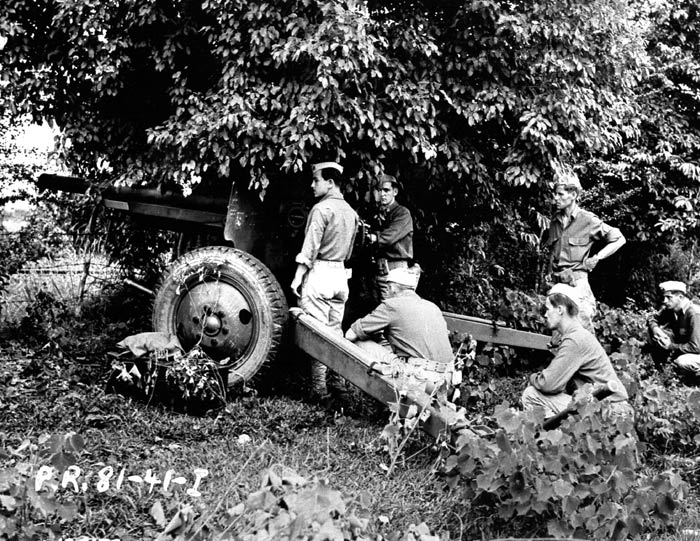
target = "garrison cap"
x: 567, y: 291
x: 567, y: 179
x: 388, y: 178
x: 673, y: 285
x: 326, y: 165
x: 405, y: 276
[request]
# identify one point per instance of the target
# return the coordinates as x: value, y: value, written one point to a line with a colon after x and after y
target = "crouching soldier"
x: 674, y: 330
x: 580, y: 359
x: 412, y: 330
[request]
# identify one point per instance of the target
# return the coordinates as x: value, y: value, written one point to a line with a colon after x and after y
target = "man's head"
x: 403, y: 278
x: 675, y: 294
x: 566, y: 191
x: 388, y: 189
x: 561, y: 306
x: 326, y: 175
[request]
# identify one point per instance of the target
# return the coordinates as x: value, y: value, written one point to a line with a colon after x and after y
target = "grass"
x: 55, y: 381
x: 285, y: 434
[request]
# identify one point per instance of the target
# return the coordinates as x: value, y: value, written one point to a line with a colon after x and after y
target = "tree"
x: 477, y: 106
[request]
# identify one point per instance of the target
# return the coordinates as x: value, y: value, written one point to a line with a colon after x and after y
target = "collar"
x: 560, y: 215
x: 686, y: 304
x: 389, y: 207
x: 333, y: 193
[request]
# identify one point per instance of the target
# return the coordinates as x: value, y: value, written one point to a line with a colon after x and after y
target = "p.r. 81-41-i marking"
x: 73, y: 474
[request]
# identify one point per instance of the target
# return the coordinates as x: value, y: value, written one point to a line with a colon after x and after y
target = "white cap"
x: 326, y: 165
x: 405, y: 277
x: 567, y: 291
x: 673, y: 285
x: 567, y: 178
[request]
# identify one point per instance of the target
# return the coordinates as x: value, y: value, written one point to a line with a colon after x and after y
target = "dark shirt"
x: 330, y: 230
x: 395, y: 235
x: 580, y: 358
x: 413, y: 326
x: 571, y: 245
x: 685, y: 326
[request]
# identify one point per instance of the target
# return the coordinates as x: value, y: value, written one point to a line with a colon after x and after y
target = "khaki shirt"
x: 330, y: 230
x: 571, y: 245
x: 580, y: 358
x: 413, y: 326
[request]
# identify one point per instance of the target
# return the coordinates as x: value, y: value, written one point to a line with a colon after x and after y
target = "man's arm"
x: 315, y: 227
x: 556, y: 376
x: 693, y: 343
x: 613, y: 238
x: 377, y: 320
x: 299, y: 278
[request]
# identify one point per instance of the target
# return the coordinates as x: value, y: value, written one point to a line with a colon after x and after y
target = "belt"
x: 427, y: 364
x: 395, y: 264
x: 327, y: 263
x: 569, y: 277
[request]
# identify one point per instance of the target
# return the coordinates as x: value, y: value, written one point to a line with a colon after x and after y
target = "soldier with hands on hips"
x: 572, y: 234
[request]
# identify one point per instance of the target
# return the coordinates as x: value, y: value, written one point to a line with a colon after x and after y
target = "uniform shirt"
x: 571, y: 245
x: 413, y: 326
x: 395, y: 238
x: 685, y: 326
x: 581, y: 359
x: 330, y: 230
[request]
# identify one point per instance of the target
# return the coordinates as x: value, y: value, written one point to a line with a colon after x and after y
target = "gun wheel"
x: 227, y: 302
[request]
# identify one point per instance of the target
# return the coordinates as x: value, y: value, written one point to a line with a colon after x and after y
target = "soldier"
x: 675, y: 330
x: 321, y: 280
x: 412, y: 330
x: 572, y: 233
x: 393, y: 240
x: 579, y: 359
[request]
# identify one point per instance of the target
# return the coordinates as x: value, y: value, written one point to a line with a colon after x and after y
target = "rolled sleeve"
x: 605, y: 232
x: 312, y: 239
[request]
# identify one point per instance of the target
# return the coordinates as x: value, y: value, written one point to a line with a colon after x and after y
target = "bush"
x: 580, y: 480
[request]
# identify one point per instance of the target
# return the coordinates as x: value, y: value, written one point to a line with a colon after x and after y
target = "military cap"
x: 567, y: 291
x: 389, y: 178
x: 673, y: 285
x: 568, y: 179
x: 326, y: 165
x: 405, y: 276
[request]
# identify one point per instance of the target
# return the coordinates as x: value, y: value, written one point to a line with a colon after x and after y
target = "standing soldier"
x: 393, y: 241
x: 320, y: 281
x: 572, y: 233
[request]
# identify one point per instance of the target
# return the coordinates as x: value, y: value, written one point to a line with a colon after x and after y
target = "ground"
x: 264, y: 453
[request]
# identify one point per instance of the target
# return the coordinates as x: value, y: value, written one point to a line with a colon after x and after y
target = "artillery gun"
x: 227, y: 297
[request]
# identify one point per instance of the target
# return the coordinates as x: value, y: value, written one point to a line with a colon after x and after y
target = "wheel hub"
x: 217, y: 316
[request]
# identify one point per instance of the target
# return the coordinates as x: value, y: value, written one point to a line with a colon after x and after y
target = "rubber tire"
x: 252, y: 279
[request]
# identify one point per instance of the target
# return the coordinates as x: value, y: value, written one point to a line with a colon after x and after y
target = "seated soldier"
x: 580, y: 359
x: 412, y: 329
x: 675, y: 330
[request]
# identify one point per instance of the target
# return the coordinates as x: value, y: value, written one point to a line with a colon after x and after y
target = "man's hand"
x: 298, y: 279
x: 351, y: 335
x: 662, y: 339
x: 590, y: 263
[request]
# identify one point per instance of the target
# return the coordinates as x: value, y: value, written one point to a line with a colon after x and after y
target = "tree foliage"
x: 477, y: 106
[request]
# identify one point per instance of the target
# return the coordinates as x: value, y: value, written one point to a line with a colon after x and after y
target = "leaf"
x: 158, y: 514
x: 8, y: 503
x: 562, y: 488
